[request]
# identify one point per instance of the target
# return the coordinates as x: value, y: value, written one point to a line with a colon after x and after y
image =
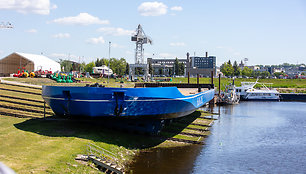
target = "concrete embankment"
x: 293, y: 97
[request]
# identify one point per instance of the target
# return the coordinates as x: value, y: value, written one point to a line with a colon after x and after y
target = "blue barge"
x: 104, y: 102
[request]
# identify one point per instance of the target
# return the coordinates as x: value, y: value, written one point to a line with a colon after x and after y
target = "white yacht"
x: 248, y: 92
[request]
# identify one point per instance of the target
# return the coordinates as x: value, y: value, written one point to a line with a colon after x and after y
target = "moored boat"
x: 98, y: 102
x: 262, y: 94
x: 248, y: 92
x: 229, y: 96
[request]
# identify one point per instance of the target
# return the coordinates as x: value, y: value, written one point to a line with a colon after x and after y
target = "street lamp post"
x: 109, y: 47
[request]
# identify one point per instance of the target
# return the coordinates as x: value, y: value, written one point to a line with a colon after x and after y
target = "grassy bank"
x: 38, y: 146
x: 277, y: 83
x: 35, y: 145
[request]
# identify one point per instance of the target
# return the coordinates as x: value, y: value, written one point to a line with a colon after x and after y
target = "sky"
x: 265, y: 32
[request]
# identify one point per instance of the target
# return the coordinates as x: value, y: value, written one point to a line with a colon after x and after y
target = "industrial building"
x: 201, y: 65
x: 30, y: 62
x: 164, y: 66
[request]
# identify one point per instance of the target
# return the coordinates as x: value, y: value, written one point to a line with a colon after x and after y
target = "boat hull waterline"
x: 155, y: 102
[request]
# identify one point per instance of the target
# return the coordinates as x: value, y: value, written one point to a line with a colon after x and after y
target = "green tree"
x: 237, y: 70
x: 264, y: 74
x: 227, y: 69
x: 176, y: 67
x: 302, y: 73
x: 170, y: 70
x: 118, y: 66
x: 181, y: 69
x: 66, y: 65
x: 102, y: 61
x: 246, y: 72
x: 127, y: 69
x: 82, y: 67
x: 277, y: 74
x: 139, y: 71
x: 89, y: 66
x: 150, y: 69
x: 255, y: 74
x: 160, y: 71
x: 98, y: 62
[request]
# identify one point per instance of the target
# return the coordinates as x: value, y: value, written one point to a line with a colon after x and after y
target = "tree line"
x: 230, y: 70
x: 119, y: 66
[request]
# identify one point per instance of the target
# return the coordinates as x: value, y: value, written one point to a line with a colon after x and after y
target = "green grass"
x: 45, y: 146
x: 277, y: 83
x: 30, y: 152
x: 49, y: 146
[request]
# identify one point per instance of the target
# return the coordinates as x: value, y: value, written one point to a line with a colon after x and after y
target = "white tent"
x: 31, y: 62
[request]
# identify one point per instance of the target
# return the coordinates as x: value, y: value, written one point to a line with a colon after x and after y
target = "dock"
x: 293, y: 97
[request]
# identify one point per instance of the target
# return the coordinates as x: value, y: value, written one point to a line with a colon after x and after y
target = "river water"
x: 252, y: 137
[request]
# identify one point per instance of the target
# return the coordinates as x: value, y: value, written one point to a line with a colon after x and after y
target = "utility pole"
x: 109, y: 47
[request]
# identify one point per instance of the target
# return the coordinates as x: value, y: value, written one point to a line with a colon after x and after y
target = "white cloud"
x: 176, y: 8
x: 129, y: 52
x: 115, y: 31
x: 152, y: 9
x: 61, y: 35
x: 42, y: 7
x: 64, y: 56
x: 31, y: 31
x: 165, y: 55
x: 96, y: 40
x: 177, y: 44
x: 114, y: 45
x: 81, y: 19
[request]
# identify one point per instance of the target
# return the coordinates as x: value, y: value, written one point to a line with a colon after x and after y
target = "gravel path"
x: 2, y: 80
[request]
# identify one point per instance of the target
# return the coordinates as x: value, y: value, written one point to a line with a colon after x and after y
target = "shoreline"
x: 61, y: 141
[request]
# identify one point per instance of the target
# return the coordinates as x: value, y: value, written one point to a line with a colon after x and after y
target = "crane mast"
x: 140, y: 38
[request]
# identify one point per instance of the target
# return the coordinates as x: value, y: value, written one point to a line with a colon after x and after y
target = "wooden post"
x: 198, y: 82
x: 188, y: 77
x: 198, y: 79
x: 212, y: 102
x: 44, y: 110
x: 219, y: 85
x: 212, y: 77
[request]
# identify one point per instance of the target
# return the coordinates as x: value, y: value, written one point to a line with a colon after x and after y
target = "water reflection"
x: 252, y: 137
x: 256, y: 137
x: 167, y: 160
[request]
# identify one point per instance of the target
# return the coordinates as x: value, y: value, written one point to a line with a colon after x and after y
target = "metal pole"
x: 212, y: 77
x: 198, y: 78
x: 198, y: 82
x: 188, y: 77
x: 212, y: 84
x: 109, y: 47
x: 44, y: 110
x: 219, y: 85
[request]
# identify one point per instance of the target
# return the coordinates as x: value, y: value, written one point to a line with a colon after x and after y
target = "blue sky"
x: 265, y: 32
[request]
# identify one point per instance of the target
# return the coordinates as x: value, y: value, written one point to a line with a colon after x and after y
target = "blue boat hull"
x: 155, y: 103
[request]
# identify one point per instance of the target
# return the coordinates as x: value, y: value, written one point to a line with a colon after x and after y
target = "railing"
x: 179, y: 85
x: 93, y: 149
